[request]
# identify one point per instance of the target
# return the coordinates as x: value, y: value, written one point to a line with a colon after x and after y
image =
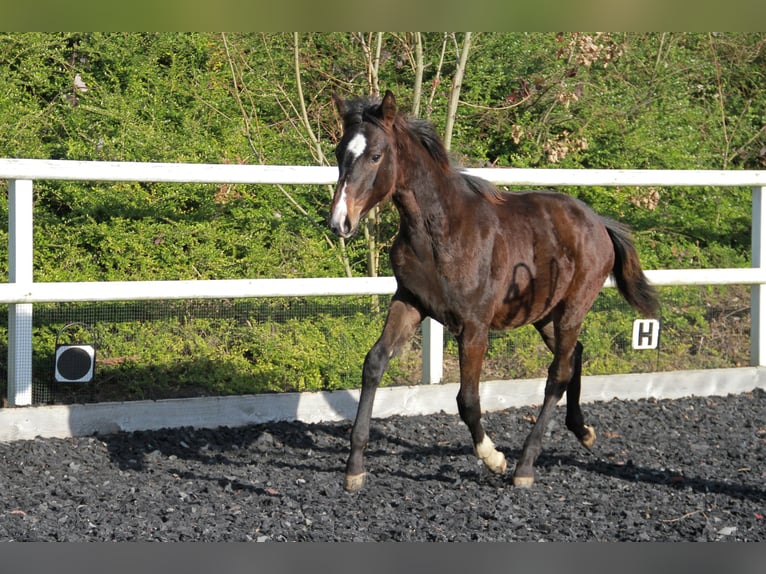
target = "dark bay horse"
x: 476, y: 259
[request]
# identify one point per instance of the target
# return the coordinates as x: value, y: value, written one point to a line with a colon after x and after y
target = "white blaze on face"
x: 340, y: 212
x: 356, y: 146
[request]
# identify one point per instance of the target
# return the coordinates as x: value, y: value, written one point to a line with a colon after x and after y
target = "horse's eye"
x: 375, y: 158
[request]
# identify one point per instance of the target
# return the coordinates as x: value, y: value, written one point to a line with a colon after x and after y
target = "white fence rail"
x: 20, y: 293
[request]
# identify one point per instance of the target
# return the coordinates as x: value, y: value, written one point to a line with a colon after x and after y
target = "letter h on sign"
x: 646, y: 333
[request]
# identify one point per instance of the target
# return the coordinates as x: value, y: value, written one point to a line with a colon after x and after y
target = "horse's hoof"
x: 355, y: 482
x: 500, y: 465
x: 492, y: 458
x: 523, y: 481
x: 590, y: 438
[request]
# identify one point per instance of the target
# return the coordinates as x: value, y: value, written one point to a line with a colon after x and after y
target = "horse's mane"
x: 422, y: 132
x: 483, y: 187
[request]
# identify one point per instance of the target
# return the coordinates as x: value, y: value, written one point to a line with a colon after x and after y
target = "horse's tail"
x: 627, y: 272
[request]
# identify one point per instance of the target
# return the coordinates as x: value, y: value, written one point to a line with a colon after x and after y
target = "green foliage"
x: 161, y: 349
x: 573, y: 100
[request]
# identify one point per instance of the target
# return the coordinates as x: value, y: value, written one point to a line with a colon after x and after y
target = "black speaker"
x: 75, y: 361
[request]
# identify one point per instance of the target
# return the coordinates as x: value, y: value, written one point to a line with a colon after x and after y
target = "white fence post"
x: 20, y: 202
x: 758, y: 291
x: 433, y: 351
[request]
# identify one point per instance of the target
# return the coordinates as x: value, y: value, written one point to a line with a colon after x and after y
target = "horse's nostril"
x: 342, y: 229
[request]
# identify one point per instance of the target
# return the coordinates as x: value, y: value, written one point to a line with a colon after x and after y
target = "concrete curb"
x: 61, y: 421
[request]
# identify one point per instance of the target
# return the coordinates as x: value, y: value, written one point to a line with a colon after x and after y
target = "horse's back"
x: 554, y: 248
x: 560, y: 208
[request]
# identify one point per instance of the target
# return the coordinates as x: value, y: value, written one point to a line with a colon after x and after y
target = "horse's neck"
x: 423, y: 207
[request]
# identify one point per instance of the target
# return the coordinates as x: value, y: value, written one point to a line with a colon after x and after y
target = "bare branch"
x: 317, y: 146
x: 437, y: 78
x: 418, y: 87
x: 457, y: 83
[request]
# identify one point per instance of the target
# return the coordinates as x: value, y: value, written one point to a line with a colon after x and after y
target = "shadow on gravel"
x: 630, y: 472
x: 223, y: 446
x: 287, y: 445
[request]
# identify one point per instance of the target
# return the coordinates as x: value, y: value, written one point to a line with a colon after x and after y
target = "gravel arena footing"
x: 691, y: 469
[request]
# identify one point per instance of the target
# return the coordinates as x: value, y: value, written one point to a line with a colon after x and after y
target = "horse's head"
x: 366, y: 161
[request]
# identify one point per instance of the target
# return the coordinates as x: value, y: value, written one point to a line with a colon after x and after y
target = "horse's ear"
x: 340, y: 104
x: 388, y: 108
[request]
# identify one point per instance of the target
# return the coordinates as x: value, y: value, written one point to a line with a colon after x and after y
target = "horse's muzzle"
x: 341, y: 228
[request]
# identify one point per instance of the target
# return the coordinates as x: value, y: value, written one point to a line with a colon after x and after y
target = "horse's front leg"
x: 472, y: 345
x: 400, y: 325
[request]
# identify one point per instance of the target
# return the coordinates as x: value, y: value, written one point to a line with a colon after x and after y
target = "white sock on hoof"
x: 493, y: 459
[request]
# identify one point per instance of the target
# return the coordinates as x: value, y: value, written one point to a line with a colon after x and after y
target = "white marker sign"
x: 646, y: 333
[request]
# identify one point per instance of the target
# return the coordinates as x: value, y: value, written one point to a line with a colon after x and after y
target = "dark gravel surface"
x: 669, y: 470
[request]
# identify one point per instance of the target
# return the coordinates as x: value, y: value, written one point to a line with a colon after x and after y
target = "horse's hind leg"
x: 472, y: 346
x: 564, y: 370
x: 401, y: 322
x: 575, y: 421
